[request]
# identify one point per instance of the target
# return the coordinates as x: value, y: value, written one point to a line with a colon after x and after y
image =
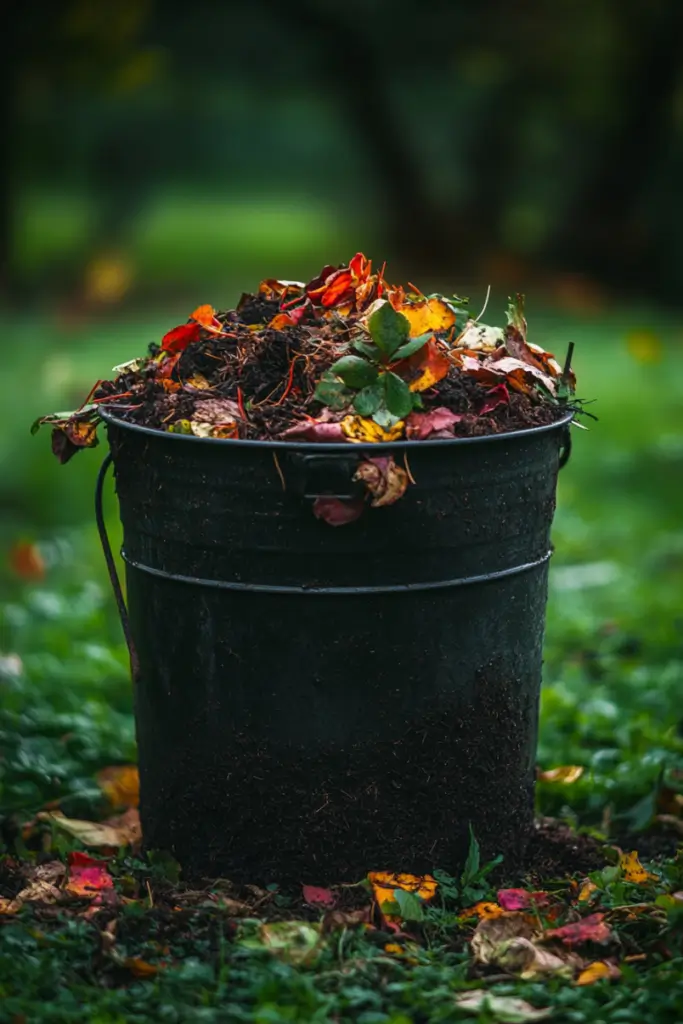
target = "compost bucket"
x: 314, y: 702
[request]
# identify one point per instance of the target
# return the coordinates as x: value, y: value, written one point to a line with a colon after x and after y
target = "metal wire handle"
x: 111, y: 569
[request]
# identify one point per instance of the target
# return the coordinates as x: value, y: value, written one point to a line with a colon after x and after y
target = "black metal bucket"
x: 315, y: 702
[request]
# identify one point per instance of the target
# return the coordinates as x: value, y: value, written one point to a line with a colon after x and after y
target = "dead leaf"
x: 180, y: 337
x: 280, y: 321
x: 520, y: 375
x: 26, y: 561
x: 385, y: 481
x: 633, y: 870
x: 337, y: 919
x: 337, y: 511
x: 72, y: 435
x: 141, y: 968
x: 206, y: 316
x: 197, y: 382
x: 295, y: 942
x: 420, y: 425
x: 316, y: 896
x: 586, y: 892
x: 479, y: 338
x: 120, y: 784
x: 361, y: 428
x: 37, y: 891
x: 492, y: 933
x: 90, y: 833
x: 589, y: 929
x: 498, y: 395
x: 424, y: 368
x: 567, y: 774
x: 87, y: 876
x: 506, y: 1009
x: 521, y: 899
x: 316, y: 430
x: 598, y: 971
x: 384, y: 882
x: 484, y: 910
x: 427, y: 315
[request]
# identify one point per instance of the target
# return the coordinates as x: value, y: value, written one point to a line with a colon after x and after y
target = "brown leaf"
x: 424, y: 368
x: 141, y: 968
x: 26, y: 561
x: 337, y: 919
x: 91, y: 833
x: 385, y: 481
x: 493, y: 932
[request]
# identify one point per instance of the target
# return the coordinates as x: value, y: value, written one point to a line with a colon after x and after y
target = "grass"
x: 611, y: 703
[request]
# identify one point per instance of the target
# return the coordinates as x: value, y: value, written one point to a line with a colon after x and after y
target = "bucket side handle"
x: 565, y: 447
x: 315, y: 476
x: 111, y: 569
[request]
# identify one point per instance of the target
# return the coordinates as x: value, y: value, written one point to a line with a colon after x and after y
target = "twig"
x: 279, y: 471
x: 407, y: 465
x: 567, y: 363
x: 486, y: 302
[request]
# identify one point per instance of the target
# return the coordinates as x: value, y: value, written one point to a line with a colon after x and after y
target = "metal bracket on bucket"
x: 111, y: 568
x: 330, y: 475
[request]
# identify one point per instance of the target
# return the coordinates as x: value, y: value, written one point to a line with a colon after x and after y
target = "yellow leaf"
x: 587, y: 890
x: 199, y: 382
x: 427, y: 315
x: 567, y: 774
x: 645, y: 346
x: 384, y: 882
x: 596, y: 971
x: 360, y: 428
x: 120, y: 784
x: 633, y: 870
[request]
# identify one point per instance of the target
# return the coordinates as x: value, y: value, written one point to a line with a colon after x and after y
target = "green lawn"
x: 611, y: 703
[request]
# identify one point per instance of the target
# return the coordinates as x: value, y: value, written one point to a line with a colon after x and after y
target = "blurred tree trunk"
x: 601, y: 234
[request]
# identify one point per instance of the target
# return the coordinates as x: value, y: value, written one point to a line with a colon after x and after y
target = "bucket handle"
x: 111, y: 569
x: 315, y: 476
x: 565, y: 447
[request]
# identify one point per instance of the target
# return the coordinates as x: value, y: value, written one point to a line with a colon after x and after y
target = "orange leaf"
x: 424, y: 368
x: 586, y: 892
x: 427, y: 315
x: 337, y: 289
x: 141, y: 968
x: 590, y: 929
x: 384, y: 882
x: 120, y: 784
x: 282, y: 320
x: 87, y: 876
x: 567, y: 774
x: 180, y: 337
x: 596, y: 971
x: 206, y: 316
x: 484, y: 910
x: 26, y: 561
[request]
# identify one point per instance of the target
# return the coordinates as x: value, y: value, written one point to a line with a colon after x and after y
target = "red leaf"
x: 87, y: 876
x: 180, y: 337
x: 339, y: 287
x: 314, y: 430
x: 318, y: 897
x: 520, y: 899
x: 336, y: 511
x: 590, y: 929
x: 420, y: 425
x: 495, y: 397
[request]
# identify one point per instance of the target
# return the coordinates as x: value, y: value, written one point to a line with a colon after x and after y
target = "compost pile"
x: 344, y: 358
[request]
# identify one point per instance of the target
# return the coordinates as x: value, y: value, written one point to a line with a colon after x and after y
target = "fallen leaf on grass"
x: 385, y: 885
x: 316, y: 896
x: 87, y: 876
x: 484, y: 910
x: 506, y: 1009
x: 586, y: 891
x: 141, y: 968
x: 633, y: 871
x: 337, y: 919
x: 589, y: 929
x: 566, y: 773
x: 93, y: 833
x: 295, y: 942
x: 598, y: 971
x: 521, y: 899
x: 120, y: 784
x: 385, y: 481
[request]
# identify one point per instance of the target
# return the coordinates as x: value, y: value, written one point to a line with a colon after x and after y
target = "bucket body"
x: 315, y: 702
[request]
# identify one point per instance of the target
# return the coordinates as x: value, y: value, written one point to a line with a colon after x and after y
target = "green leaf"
x: 515, y: 314
x: 389, y: 329
x: 384, y: 418
x: 397, y: 395
x: 409, y: 905
x: 369, y: 400
x: 332, y: 392
x: 368, y: 349
x: 414, y: 345
x: 354, y: 371
x: 471, y: 869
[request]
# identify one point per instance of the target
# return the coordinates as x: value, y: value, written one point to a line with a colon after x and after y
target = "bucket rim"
x: 321, y: 447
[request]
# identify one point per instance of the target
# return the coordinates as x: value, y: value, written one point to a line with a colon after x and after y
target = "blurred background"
x: 161, y: 155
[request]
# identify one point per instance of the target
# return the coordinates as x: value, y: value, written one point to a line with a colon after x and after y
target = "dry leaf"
x: 567, y: 774
x: 206, y: 316
x: 589, y: 929
x: 361, y: 428
x: 385, y: 481
x: 424, y: 368
x: 120, y: 784
x: 141, y: 968
x: 90, y: 833
x: 479, y: 338
x: 420, y: 425
x: 180, y: 337
x: 87, y: 876
x: 506, y: 1009
x: 597, y: 971
x: 586, y: 892
x: 26, y: 561
x: 484, y: 910
x: 427, y: 315
x: 384, y: 882
x: 492, y: 933
x: 280, y: 321
x: 295, y: 942
x: 521, y: 899
x: 316, y: 896
x: 321, y: 429
x: 633, y: 870
x: 337, y: 511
